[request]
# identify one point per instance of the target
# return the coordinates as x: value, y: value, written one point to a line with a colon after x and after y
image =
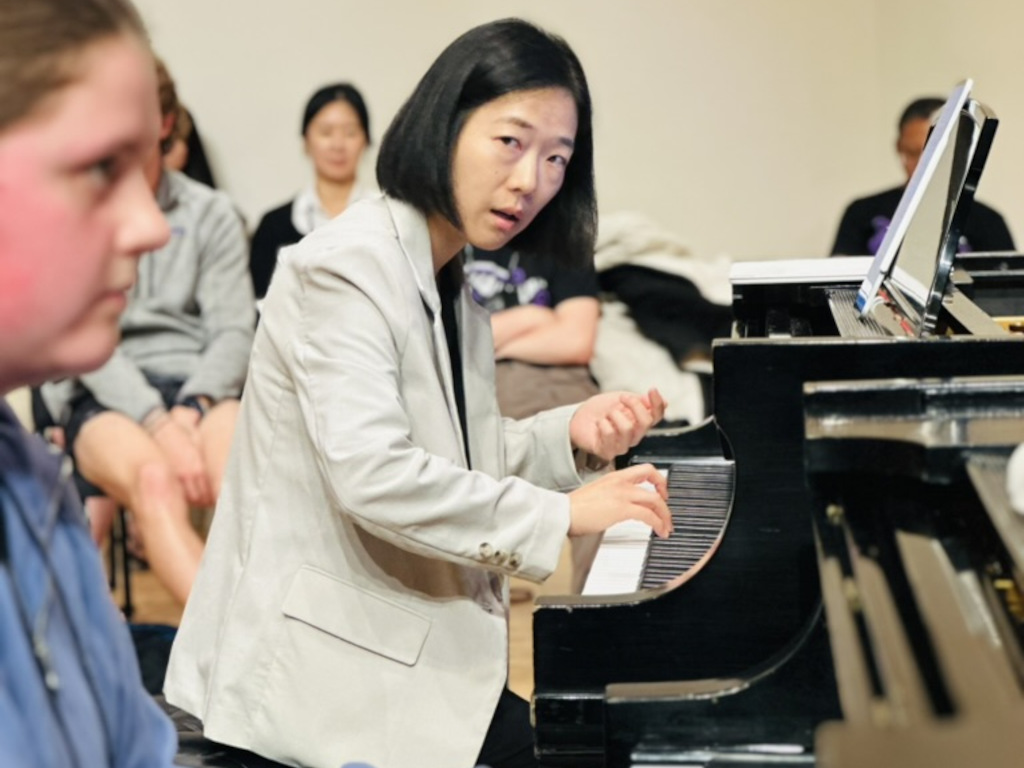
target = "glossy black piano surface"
x: 995, y: 282
x: 922, y: 562
x: 699, y: 665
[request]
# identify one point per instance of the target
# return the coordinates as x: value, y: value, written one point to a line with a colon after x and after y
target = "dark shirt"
x: 505, y: 278
x: 866, y: 220
x: 275, y: 231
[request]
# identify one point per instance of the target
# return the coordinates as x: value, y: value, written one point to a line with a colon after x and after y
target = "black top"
x: 275, y: 231
x: 506, y: 278
x: 866, y: 220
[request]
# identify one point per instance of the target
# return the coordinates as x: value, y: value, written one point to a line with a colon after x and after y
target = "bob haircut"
x: 485, y: 63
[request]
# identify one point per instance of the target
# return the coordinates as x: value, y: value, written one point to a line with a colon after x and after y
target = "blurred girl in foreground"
x: 78, y: 120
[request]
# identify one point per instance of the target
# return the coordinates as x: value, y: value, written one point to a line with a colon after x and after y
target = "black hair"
x: 337, y: 92
x: 197, y: 166
x: 485, y: 63
x: 920, y: 109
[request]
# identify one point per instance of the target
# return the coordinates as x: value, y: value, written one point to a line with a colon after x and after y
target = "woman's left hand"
x: 609, y: 424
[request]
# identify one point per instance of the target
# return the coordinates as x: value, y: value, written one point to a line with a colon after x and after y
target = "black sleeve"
x: 262, y: 258
x: 850, y: 239
x: 986, y: 230
x: 273, y: 232
x: 567, y: 283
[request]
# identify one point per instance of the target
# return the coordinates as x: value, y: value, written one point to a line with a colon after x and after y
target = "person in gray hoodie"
x: 151, y: 428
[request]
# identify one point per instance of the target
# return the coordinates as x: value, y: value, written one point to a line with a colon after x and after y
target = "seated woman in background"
x: 544, y: 321
x: 336, y: 131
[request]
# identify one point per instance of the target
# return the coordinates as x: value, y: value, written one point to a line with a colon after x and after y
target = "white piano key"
x: 619, y: 560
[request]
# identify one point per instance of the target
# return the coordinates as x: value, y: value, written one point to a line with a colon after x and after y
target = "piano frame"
x: 922, y: 562
x: 756, y: 605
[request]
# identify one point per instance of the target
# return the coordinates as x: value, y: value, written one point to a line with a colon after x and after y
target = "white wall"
x: 743, y: 125
x: 927, y: 44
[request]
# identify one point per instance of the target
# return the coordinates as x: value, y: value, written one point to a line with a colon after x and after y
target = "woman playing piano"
x: 352, y: 600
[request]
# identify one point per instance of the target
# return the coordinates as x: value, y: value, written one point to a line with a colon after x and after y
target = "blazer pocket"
x: 356, y: 616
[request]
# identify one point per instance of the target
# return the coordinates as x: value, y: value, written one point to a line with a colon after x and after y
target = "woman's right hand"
x: 618, y: 496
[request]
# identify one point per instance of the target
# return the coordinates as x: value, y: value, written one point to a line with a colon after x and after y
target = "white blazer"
x: 352, y: 600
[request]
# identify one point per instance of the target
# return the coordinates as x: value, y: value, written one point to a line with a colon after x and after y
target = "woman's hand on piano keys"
x: 609, y: 424
x: 639, y: 492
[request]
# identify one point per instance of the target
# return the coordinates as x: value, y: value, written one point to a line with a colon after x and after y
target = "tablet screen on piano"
x: 916, y: 255
x: 923, y: 267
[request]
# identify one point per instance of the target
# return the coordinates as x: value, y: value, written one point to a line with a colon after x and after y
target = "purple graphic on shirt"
x: 881, y: 225
x: 496, y: 287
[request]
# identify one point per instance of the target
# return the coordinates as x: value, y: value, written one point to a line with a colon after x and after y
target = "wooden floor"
x: 153, y: 605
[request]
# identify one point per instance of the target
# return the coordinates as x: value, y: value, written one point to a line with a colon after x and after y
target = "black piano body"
x: 739, y: 654
x: 995, y: 282
x: 921, y: 555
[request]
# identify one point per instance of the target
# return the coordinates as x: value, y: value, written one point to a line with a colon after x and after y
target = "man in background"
x: 866, y: 220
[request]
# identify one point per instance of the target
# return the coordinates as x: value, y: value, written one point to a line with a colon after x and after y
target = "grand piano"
x: 727, y: 659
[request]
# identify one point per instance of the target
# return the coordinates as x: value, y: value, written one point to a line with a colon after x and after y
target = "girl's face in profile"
x: 335, y: 141
x: 76, y: 212
x: 509, y: 162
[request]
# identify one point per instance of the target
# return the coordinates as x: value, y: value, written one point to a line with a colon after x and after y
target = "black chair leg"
x: 112, y: 554
x: 126, y: 565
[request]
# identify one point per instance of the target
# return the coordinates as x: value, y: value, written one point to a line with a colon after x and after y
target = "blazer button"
x: 515, y: 560
x: 486, y: 551
x: 500, y: 557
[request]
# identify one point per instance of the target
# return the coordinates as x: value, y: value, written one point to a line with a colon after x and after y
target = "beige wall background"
x: 743, y: 126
